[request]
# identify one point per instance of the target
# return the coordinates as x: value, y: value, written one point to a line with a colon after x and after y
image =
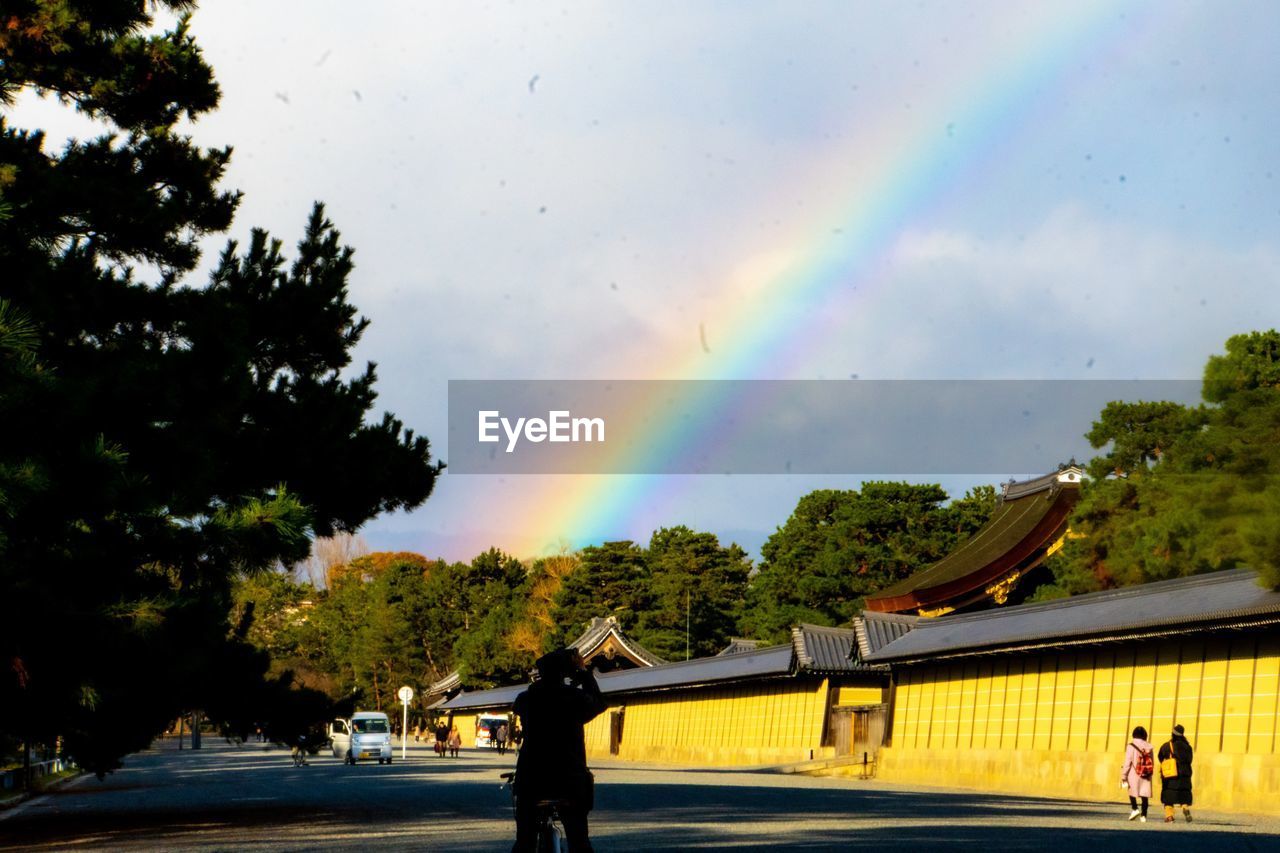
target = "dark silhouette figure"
x: 553, y: 760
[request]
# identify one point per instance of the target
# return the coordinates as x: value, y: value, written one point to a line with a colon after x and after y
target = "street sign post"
x: 406, y: 696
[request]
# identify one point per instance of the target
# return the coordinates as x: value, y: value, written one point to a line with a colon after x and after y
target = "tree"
x: 840, y: 546
x: 695, y: 594
x: 533, y: 634
x: 610, y: 580
x: 1184, y: 490
x: 178, y: 436
x: 494, y: 591
x: 329, y: 553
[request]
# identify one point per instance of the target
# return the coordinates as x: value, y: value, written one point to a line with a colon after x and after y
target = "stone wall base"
x: 1245, y: 783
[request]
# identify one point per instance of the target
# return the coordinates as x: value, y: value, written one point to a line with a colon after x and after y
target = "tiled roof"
x: 452, y: 681
x: 738, y: 645
x: 498, y: 697
x: 820, y: 649
x: 762, y: 663
x: 875, y: 630
x: 1231, y: 599
x: 600, y: 629
x: 813, y: 649
x: 775, y: 661
x: 1028, y: 516
x: 596, y: 633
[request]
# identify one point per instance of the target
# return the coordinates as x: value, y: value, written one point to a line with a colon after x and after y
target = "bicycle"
x: 550, y: 837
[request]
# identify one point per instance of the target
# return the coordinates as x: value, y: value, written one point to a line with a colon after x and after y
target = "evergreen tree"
x: 188, y: 432
x: 840, y: 546
x: 610, y: 580
x: 694, y: 596
x: 1183, y: 490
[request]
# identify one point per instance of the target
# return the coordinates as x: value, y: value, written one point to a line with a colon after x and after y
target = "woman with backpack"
x: 1139, y: 767
x: 1175, y: 775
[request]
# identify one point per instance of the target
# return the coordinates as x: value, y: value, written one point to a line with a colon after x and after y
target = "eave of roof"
x: 771, y: 662
x: 813, y: 650
x: 1216, y: 601
x: 1020, y: 526
x: 820, y: 649
x: 875, y: 630
x: 601, y: 629
x: 452, y: 681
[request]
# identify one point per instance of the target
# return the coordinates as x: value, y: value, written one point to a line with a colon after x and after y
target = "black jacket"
x: 1176, y: 790
x: 553, y: 756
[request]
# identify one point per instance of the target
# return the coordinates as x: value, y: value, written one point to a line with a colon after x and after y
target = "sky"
x: 750, y: 190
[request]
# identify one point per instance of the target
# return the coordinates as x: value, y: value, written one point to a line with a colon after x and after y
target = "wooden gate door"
x: 842, y: 730
x: 868, y: 730
x: 615, y: 731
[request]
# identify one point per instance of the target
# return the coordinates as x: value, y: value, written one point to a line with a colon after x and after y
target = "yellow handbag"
x: 1169, y: 767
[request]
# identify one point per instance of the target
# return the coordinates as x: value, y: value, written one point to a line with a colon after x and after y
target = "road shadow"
x: 460, y: 804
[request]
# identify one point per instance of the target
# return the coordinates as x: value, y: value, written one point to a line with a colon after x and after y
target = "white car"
x: 366, y: 735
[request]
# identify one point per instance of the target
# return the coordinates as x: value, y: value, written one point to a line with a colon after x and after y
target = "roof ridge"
x: 808, y: 626
x: 889, y: 616
x: 692, y: 661
x: 1136, y: 590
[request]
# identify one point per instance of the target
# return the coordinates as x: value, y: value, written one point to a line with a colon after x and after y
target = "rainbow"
x: 774, y: 310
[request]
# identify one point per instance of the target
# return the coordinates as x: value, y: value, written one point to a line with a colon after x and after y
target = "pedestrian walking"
x: 1135, y: 775
x: 455, y: 741
x: 1175, y: 775
x: 442, y: 739
x: 500, y: 738
x: 517, y: 737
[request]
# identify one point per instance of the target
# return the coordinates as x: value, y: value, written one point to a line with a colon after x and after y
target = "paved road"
x: 252, y: 798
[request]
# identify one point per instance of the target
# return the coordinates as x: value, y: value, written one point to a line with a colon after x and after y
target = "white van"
x: 487, y: 727
x: 366, y: 735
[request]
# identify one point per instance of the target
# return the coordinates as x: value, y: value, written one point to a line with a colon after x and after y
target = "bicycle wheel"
x: 551, y: 839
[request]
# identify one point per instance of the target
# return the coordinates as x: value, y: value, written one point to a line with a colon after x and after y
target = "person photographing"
x: 553, y: 758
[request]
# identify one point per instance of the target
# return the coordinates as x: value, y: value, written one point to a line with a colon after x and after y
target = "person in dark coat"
x: 553, y: 760
x: 1175, y: 790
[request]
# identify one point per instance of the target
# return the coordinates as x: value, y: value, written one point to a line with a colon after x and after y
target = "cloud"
x: 1076, y: 296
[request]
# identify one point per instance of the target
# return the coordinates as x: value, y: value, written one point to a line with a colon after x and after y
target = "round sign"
x: 406, y: 695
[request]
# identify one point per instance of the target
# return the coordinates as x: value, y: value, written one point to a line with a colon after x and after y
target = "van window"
x: 369, y: 727
x: 339, y: 727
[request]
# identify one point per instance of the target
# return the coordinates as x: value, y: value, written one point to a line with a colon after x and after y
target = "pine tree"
x: 1183, y: 490
x: 188, y: 432
x: 694, y: 596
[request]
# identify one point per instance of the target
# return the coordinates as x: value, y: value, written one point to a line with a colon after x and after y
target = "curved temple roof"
x: 1030, y: 516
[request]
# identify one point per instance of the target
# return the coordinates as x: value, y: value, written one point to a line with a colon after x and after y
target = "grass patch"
x: 45, y: 782
x: 39, y: 785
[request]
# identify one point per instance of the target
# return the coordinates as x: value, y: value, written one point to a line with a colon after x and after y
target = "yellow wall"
x: 763, y: 723
x: 857, y: 695
x: 1057, y: 723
